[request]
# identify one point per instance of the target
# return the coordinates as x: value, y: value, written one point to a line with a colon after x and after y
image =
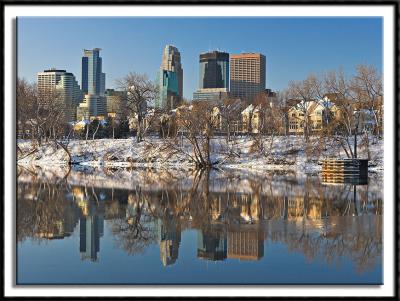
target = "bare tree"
x: 306, y: 92
x: 25, y: 95
x: 349, y: 98
x: 229, y: 109
x: 196, y: 124
x: 367, y: 83
x: 282, y: 110
x: 139, y: 91
x: 262, y: 110
x: 44, y: 112
x: 338, y: 85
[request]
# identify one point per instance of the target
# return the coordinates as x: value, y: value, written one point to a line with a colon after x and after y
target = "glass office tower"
x: 93, y: 79
x: 214, y: 70
x: 170, y: 79
x: 169, y: 97
x: 93, y: 86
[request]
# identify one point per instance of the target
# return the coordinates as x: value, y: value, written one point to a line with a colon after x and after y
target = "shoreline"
x: 289, y: 154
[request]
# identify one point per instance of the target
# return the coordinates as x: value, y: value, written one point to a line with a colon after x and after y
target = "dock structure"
x: 353, y: 171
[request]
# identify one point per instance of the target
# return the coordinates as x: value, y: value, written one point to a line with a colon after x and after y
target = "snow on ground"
x: 284, y: 153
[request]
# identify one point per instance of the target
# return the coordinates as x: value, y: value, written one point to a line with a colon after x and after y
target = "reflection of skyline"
x: 169, y: 238
x: 220, y: 242
x: 91, y: 223
x: 91, y: 229
x: 246, y: 243
x: 211, y: 244
x: 229, y: 224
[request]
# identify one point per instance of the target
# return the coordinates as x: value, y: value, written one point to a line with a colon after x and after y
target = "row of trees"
x: 354, y: 96
x: 41, y: 113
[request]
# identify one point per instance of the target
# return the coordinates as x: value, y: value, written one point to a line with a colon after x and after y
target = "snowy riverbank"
x: 289, y: 153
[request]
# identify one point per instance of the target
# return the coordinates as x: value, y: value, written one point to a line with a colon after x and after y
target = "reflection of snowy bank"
x: 223, y: 180
x: 284, y: 153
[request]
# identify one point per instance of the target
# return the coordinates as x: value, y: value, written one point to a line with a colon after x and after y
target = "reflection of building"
x: 250, y: 207
x: 211, y: 244
x: 247, y: 73
x: 169, y: 238
x: 91, y: 229
x: 58, y: 230
x: 170, y: 79
x: 246, y: 244
x: 217, y: 206
x: 300, y: 206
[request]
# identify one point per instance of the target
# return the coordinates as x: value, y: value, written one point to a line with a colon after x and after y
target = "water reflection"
x: 234, y: 217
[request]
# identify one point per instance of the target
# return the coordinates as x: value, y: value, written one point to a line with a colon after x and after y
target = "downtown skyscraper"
x: 93, y: 86
x: 247, y: 74
x: 65, y: 87
x: 170, y: 79
x: 214, y: 70
x: 213, y: 76
x: 93, y: 79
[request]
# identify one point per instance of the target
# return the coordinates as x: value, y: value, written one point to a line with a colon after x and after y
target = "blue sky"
x: 294, y: 47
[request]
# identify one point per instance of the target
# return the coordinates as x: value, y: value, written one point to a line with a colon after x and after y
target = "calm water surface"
x: 219, y: 227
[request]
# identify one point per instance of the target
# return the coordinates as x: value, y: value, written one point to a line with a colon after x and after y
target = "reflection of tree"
x: 351, y: 239
x: 135, y: 232
x: 306, y: 216
x: 44, y: 212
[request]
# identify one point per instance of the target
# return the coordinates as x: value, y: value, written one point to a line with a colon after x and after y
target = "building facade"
x: 170, y: 79
x: 116, y: 103
x: 169, y: 97
x: 210, y: 94
x: 247, y: 75
x: 214, y: 70
x: 213, y: 76
x: 93, y: 79
x: 94, y: 104
x: 318, y: 114
x: 65, y: 87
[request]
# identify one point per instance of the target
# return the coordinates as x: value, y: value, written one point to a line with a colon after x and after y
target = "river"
x: 142, y: 226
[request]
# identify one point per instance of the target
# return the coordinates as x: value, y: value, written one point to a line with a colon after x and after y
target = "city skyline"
x: 309, y: 44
